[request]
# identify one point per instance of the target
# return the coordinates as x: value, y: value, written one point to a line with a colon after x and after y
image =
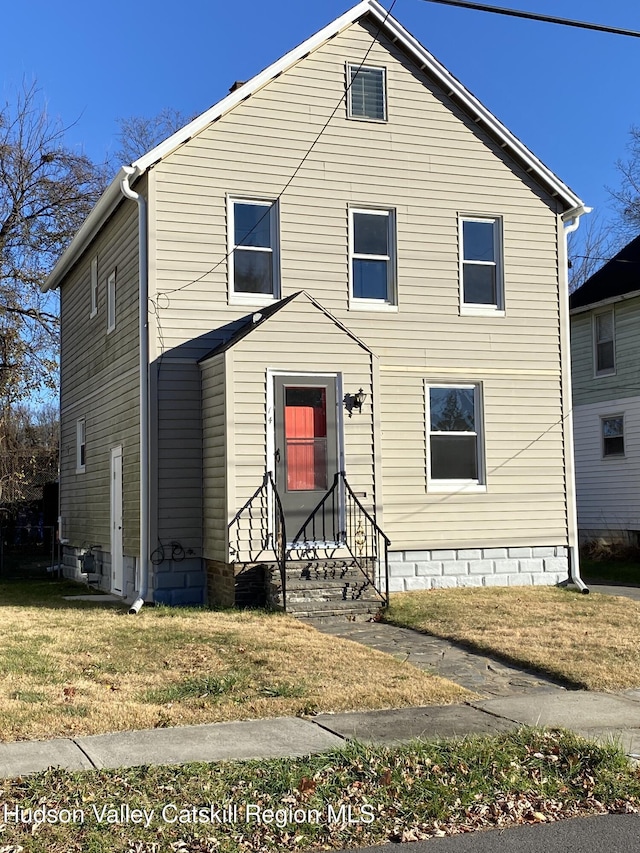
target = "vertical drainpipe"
x: 574, y: 555
x: 143, y: 329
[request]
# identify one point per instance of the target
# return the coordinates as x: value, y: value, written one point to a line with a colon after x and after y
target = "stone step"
x: 350, y: 610
x: 366, y: 593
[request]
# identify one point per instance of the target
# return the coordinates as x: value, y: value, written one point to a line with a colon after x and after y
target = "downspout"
x: 572, y: 509
x: 143, y: 330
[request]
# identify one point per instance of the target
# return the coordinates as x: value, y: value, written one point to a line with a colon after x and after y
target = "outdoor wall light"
x: 354, y: 401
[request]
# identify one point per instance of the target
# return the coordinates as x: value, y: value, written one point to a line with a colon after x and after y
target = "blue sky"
x: 568, y: 94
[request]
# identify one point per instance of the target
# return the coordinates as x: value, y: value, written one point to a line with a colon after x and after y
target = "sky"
x: 570, y: 95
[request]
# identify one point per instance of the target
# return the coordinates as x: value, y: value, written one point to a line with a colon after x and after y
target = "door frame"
x: 116, y: 541
x: 272, y: 373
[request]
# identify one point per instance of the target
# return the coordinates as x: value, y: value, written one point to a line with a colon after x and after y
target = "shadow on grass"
x: 491, y: 656
x: 611, y: 572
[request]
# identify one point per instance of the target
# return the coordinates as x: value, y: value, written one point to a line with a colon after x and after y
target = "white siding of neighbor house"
x: 608, y: 488
x: 430, y: 163
x: 99, y: 382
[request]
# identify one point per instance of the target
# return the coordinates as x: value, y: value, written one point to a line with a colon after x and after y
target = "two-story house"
x: 332, y: 307
x: 605, y: 343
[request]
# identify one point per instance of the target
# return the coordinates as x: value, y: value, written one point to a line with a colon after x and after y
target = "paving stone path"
x: 480, y: 673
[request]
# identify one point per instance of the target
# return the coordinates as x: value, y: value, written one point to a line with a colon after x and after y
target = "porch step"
x: 330, y: 588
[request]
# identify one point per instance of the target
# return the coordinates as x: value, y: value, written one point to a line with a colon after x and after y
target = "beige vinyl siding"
x: 608, y: 488
x: 99, y: 382
x: 214, y: 441
x: 625, y: 382
x: 431, y: 164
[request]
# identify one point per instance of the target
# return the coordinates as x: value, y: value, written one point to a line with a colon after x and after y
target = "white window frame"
x: 356, y: 67
x: 479, y: 484
x: 391, y: 300
x: 93, y: 287
x: 603, y: 418
x: 607, y: 371
x: 111, y: 302
x: 274, y: 249
x: 81, y: 445
x: 477, y: 309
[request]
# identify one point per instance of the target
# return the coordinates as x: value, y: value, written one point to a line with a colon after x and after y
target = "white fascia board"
x: 622, y: 297
x: 105, y: 205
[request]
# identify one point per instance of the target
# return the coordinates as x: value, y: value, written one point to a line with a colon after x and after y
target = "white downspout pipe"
x: 143, y: 329
x: 572, y: 510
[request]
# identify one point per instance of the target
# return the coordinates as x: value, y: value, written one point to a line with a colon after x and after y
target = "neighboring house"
x: 357, y: 290
x: 605, y: 344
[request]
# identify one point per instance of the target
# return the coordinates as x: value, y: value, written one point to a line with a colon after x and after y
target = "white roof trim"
x: 421, y: 55
x: 610, y: 300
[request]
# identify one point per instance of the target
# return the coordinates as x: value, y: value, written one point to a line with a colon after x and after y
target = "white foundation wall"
x: 447, y: 568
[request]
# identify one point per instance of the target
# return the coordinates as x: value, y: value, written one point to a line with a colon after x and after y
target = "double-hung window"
x: 481, y: 284
x: 613, y: 436
x: 372, y: 251
x: 253, y: 249
x: 367, y: 92
x: 81, y: 445
x: 454, y: 452
x: 604, y: 343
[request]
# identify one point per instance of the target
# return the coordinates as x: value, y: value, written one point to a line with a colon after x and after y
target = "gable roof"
x: 239, y: 332
x: 618, y: 278
x: 455, y: 90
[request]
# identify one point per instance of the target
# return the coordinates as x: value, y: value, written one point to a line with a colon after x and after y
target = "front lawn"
x: 76, y: 668
x: 588, y: 641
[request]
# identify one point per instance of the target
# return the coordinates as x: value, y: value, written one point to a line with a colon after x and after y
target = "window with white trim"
x: 372, y: 239
x: 367, y: 92
x: 111, y: 302
x: 454, y: 435
x: 604, y: 343
x: 254, y: 263
x: 481, y: 285
x: 81, y: 445
x: 93, y: 286
x: 613, y: 436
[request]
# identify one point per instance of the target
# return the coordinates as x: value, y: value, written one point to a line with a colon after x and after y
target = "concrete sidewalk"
x: 598, y: 715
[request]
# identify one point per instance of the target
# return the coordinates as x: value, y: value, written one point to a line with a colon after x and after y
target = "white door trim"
x: 115, y: 518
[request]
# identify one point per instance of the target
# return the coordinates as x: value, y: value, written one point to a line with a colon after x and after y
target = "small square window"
x: 454, y: 452
x: 613, y: 436
x: 372, y: 250
x: 366, y: 95
x: 481, y: 261
x: 93, y: 286
x: 111, y: 302
x: 253, y: 248
x: 81, y: 445
x: 604, y: 343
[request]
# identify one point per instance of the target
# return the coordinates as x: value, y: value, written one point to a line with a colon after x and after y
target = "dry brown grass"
x: 72, y: 670
x: 590, y: 641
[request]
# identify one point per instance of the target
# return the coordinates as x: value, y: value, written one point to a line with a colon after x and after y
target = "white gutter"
x: 572, y: 221
x: 143, y: 329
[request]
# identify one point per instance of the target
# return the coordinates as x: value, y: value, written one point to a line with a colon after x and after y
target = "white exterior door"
x: 116, y: 521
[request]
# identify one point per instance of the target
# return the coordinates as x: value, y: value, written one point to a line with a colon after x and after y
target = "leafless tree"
x: 627, y: 196
x: 138, y: 134
x: 591, y: 246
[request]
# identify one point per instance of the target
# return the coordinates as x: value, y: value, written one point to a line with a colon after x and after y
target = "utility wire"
x: 533, y: 16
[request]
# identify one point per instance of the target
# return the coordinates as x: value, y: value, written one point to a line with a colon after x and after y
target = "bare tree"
x: 627, y: 196
x: 591, y: 246
x: 138, y: 134
x: 46, y: 191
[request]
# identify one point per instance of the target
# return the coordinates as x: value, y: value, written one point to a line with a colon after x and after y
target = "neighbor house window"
x: 604, y: 344
x: 454, y: 453
x: 81, y: 444
x: 613, y: 436
x: 93, y: 285
x: 253, y: 248
x: 372, y: 250
x: 366, y: 96
x: 481, y: 260
x: 111, y: 302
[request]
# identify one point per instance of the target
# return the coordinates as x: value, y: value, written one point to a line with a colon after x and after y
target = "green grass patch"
x: 356, y: 796
x: 200, y: 687
x: 624, y: 572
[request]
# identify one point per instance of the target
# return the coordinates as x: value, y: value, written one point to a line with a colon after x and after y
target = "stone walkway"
x: 480, y: 673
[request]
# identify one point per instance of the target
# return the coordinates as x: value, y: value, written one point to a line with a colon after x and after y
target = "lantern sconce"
x: 354, y: 401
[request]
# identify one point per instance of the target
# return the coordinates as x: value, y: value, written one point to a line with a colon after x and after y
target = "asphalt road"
x: 600, y: 834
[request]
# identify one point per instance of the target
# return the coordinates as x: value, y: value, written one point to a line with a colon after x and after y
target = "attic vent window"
x: 367, y: 96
